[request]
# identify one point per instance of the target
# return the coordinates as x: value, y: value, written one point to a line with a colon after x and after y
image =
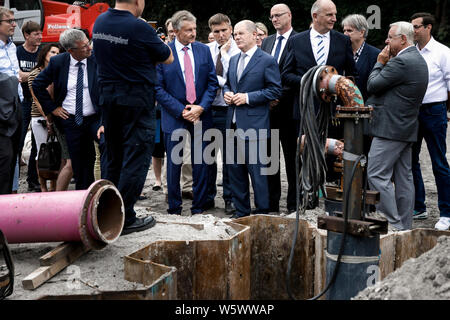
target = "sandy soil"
x: 103, y: 270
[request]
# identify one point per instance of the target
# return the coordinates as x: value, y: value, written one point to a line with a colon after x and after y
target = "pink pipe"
x: 94, y: 216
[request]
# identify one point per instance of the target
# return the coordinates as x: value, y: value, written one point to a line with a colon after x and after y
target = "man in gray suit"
x: 396, y: 86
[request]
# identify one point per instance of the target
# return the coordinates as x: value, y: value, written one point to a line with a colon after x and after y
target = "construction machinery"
x: 54, y: 16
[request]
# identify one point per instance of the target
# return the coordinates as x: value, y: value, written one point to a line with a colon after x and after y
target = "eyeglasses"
x: 276, y: 15
x: 389, y: 38
x: 418, y: 26
x: 84, y: 47
x: 10, y: 21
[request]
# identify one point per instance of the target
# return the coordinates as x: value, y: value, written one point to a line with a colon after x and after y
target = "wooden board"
x: 53, y: 262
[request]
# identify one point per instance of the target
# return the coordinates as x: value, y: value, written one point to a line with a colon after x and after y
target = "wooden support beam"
x: 53, y: 262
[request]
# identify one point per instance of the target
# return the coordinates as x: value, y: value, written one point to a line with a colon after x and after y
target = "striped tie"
x: 79, y: 95
x: 320, y: 51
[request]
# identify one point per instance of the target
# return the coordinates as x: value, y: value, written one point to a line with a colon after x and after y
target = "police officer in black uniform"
x: 127, y: 50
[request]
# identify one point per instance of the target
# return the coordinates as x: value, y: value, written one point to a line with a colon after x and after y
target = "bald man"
x: 320, y: 45
x: 253, y: 80
x: 281, y: 110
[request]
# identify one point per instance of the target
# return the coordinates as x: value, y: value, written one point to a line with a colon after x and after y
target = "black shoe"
x: 140, y: 224
x: 209, y: 205
x: 72, y: 181
x: 156, y: 188
x: 237, y: 216
x: 32, y: 187
x: 274, y: 209
x: 187, y: 195
x: 291, y: 210
x: 229, y: 207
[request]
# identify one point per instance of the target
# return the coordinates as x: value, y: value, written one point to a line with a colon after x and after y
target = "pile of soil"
x: 424, y: 278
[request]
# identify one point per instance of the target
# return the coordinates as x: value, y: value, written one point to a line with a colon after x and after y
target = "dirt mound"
x: 424, y: 278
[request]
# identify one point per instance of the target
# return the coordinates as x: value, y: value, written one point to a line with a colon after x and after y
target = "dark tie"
x: 79, y: 95
x: 278, y: 49
x: 189, y: 75
x: 219, y: 65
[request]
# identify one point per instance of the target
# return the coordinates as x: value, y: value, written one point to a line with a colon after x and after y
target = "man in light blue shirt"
x: 10, y: 90
x: 8, y: 57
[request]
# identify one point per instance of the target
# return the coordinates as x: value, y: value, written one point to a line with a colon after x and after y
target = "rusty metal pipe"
x: 94, y: 216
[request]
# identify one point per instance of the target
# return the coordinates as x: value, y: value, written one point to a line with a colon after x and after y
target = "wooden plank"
x: 44, y: 273
x: 58, y: 253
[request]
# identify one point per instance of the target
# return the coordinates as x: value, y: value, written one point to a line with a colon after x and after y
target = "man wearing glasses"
x: 75, y: 103
x: 433, y: 119
x: 10, y: 90
x: 395, y: 94
x: 281, y: 110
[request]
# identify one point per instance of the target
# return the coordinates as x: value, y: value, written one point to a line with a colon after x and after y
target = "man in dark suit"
x: 75, y: 102
x: 186, y: 90
x: 253, y: 81
x: 396, y: 94
x: 320, y: 45
x: 281, y: 109
x: 356, y: 27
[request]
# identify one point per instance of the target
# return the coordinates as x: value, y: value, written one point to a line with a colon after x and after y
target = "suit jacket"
x: 10, y: 109
x: 364, y: 66
x: 171, y: 88
x: 57, y: 72
x: 261, y: 81
x: 396, y: 94
x: 287, y: 95
x: 300, y: 58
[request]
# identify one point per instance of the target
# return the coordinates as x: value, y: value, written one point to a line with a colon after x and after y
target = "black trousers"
x: 80, y: 142
x: 288, y: 140
x: 9, y: 147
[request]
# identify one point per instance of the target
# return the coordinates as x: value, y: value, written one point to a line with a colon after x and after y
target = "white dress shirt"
x: 248, y: 57
x: 70, y: 100
x: 179, y: 47
x: 286, y: 36
x: 226, y: 56
x: 437, y: 57
x: 315, y: 43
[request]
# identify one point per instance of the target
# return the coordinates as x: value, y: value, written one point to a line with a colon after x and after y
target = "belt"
x: 219, y: 108
x: 427, y: 105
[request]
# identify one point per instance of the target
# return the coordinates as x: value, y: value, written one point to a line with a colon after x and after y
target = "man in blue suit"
x: 253, y: 82
x: 356, y: 27
x: 186, y: 89
x: 75, y: 102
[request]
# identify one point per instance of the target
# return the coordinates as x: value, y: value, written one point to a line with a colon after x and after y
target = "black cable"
x: 312, y: 159
x: 313, y: 165
x: 344, y: 233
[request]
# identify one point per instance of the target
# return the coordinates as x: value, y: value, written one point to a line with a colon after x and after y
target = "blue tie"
x: 278, y: 49
x: 79, y: 95
x: 320, y: 51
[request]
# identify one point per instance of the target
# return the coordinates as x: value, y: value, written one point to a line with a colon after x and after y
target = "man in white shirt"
x: 281, y: 110
x: 222, y: 49
x: 75, y: 106
x: 433, y: 119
